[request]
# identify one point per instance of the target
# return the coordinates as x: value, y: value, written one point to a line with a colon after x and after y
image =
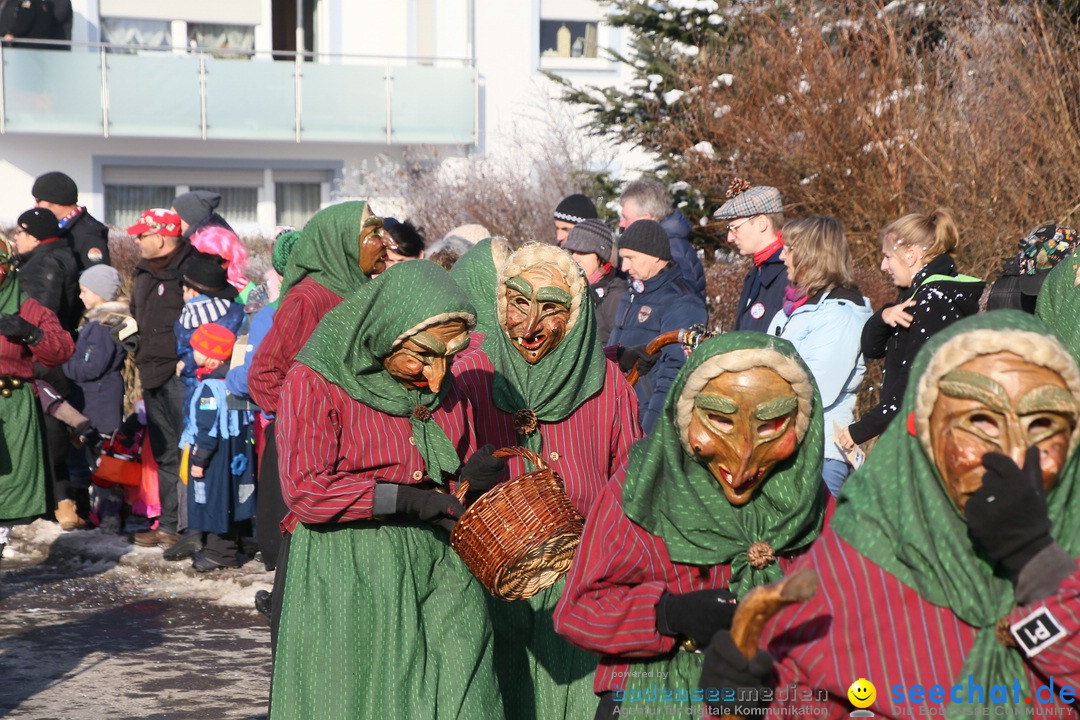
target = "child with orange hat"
x: 221, y: 485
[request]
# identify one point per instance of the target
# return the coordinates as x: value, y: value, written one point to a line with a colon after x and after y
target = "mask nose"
x: 435, y: 373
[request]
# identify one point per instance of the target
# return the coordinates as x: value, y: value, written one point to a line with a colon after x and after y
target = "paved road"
x: 85, y: 639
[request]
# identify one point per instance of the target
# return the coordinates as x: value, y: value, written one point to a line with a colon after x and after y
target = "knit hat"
x: 196, y: 206
x: 747, y: 201
x: 102, y: 280
x: 213, y: 340
x: 206, y: 275
x: 55, y: 187
x: 1040, y: 251
x: 575, y: 208
x: 646, y: 236
x: 157, y: 220
x: 283, y: 248
x: 39, y: 223
x: 590, y: 236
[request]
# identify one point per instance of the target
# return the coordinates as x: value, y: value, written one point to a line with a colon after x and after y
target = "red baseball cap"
x: 157, y: 220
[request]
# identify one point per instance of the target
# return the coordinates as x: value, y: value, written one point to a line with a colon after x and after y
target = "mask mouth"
x: 534, y: 344
x: 745, y: 486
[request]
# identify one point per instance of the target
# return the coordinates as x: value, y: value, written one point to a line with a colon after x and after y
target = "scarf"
x: 762, y: 255
x: 329, y: 249
x: 350, y: 343
x: 1059, y: 302
x: 895, y: 512
x: 563, y: 379
x: 794, y: 298
x: 228, y: 421
x: 476, y: 273
x: 672, y: 495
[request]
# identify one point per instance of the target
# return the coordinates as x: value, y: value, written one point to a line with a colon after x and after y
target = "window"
x: 296, y: 202
x: 568, y: 39
x: 235, y: 41
x: 239, y: 205
x: 131, y: 32
x: 124, y: 203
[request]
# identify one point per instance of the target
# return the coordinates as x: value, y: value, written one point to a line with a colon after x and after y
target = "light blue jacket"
x: 827, y: 334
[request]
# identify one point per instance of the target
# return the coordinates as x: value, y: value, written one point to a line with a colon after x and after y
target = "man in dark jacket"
x: 196, y: 211
x: 156, y: 303
x: 87, y: 238
x: 659, y: 300
x: 589, y: 243
x: 47, y: 274
x: 756, y: 215
x: 647, y: 199
x: 31, y: 19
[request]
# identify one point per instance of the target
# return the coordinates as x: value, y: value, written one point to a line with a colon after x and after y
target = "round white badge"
x: 161, y: 289
x: 757, y: 311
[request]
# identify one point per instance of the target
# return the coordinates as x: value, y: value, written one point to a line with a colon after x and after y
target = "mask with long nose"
x: 374, y: 241
x: 7, y: 260
x: 423, y: 360
x: 537, y: 311
x: 999, y: 403
x: 742, y: 425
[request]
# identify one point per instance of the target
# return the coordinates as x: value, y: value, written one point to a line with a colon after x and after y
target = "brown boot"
x: 67, y: 517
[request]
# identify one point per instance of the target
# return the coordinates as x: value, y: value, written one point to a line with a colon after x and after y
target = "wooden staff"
x: 691, y: 337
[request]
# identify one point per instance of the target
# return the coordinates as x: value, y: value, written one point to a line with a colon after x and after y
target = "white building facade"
x: 157, y: 97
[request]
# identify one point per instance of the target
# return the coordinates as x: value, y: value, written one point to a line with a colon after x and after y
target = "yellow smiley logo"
x: 862, y: 693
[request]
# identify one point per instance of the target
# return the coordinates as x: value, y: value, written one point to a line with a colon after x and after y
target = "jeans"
x: 834, y: 473
x: 164, y: 423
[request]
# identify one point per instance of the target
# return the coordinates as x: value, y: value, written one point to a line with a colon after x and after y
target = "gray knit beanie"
x: 194, y: 207
x: 102, y: 280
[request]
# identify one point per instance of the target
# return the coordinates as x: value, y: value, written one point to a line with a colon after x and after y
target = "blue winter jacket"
x: 762, y: 295
x: 678, y: 229
x: 827, y: 332
x: 95, y: 367
x: 662, y: 303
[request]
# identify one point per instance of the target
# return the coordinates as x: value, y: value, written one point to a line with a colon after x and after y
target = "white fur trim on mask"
x: 538, y: 254
x: 468, y: 318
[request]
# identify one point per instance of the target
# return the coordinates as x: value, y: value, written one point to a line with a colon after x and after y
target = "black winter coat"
x: 156, y: 302
x: 88, y: 239
x: 762, y: 295
x: 49, y: 274
x: 607, y: 293
x: 938, y: 304
x: 95, y: 369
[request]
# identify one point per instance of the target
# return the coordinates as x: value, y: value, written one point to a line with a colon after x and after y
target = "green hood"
x: 329, y: 249
x: 1059, y: 302
x: 894, y: 510
x: 348, y: 347
x: 672, y: 495
x: 476, y: 272
x: 564, y: 378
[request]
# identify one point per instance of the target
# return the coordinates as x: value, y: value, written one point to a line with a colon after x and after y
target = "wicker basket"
x: 520, y: 536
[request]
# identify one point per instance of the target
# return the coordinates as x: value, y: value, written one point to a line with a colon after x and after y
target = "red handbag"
x: 117, y: 467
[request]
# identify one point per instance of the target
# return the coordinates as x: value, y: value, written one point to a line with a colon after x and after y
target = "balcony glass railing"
x: 191, y: 94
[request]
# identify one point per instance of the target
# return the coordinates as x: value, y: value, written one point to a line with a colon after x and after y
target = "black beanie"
x: 575, y: 208
x: 648, y: 237
x: 55, y: 187
x: 40, y: 223
x: 194, y: 207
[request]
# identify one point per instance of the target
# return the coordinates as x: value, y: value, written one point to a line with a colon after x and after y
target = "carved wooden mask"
x: 537, y: 311
x: 423, y: 360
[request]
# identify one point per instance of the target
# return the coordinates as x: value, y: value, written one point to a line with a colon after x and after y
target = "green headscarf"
x: 329, y: 249
x: 894, y: 510
x: 1059, y: 302
x: 477, y: 272
x: 568, y: 375
x: 671, y: 494
x: 348, y: 347
x: 10, y: 297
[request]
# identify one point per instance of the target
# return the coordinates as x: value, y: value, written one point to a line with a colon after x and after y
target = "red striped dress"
x: 303, y: 307
x: 619, y: 573
x: 587, y: 448
x: 864, y: 623
x: 334, y: 449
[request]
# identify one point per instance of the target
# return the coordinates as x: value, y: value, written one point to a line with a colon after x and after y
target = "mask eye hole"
x: 771, y: 427
x: 986, y: 424
x: 722, y: 422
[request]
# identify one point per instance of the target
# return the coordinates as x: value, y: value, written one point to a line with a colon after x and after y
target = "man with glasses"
x: 755, y: 216
x: 156, y: 303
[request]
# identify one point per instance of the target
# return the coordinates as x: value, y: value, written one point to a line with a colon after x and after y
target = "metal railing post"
x: 389, y: 104
x: 298, y: 90
x: 3, y: 92
x: 104, y: 95
x: 202, y: 92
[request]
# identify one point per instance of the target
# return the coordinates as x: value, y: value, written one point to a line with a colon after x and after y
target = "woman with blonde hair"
x: 933, y: 295
x: 823, y: 317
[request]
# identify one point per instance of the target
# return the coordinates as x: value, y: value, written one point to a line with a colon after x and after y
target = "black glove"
x: 627, y: 356
x: 1007, y: 515
x: 695, y: 615
x: 726, y: 667
x: 18, y: 329
x: 483, y: 470
x: 429, y: 506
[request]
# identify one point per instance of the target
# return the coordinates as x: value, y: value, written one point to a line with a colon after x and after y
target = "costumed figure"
x: 721, y: 497
x: 943, y: 544
x: 29, y: 333
x: 542, y: 382
x: 1059, y: 301
x: 476, y: 273
x: 380, y: 617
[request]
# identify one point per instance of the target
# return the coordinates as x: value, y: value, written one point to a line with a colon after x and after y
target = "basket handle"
x: 521, y: 452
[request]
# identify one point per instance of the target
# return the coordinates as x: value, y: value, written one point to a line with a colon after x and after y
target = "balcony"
x: 182, y: 94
